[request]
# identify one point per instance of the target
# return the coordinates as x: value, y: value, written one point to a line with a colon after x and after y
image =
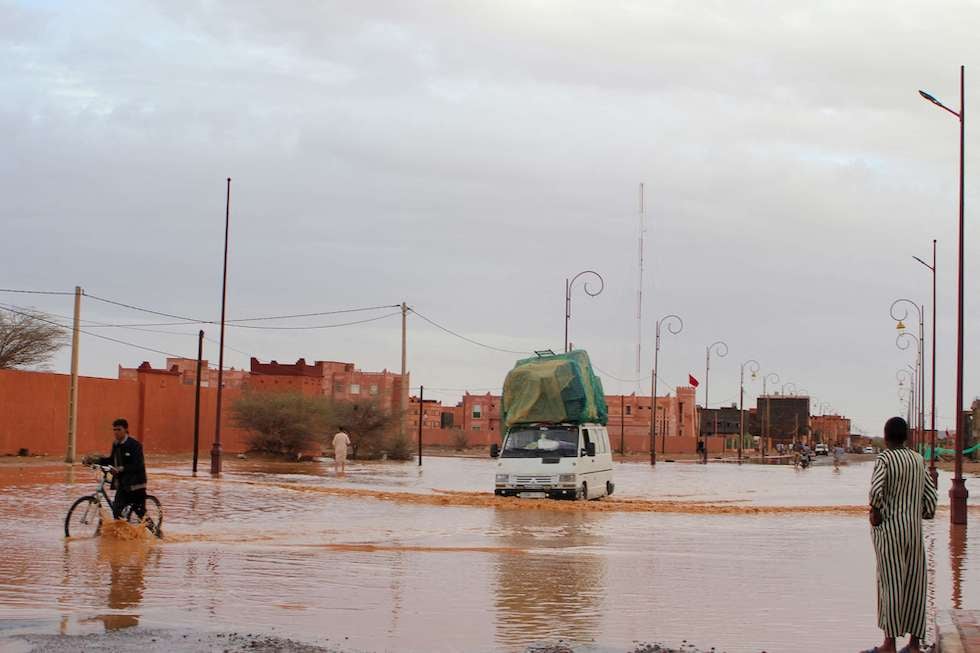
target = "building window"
x: 338, y: 388
x: 477, y: 411
x: 476, y: 427
x: 629, y: 410
x: 373, y: 390
x: 355, y: 388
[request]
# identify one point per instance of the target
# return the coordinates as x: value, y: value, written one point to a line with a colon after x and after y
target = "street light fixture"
x: 932, y: 408
x: 918, y: 416
x: 753, y: 366
x: 721, y: 348
x: 958, y: 493
x: 588, y: 291
x: 674, y: 325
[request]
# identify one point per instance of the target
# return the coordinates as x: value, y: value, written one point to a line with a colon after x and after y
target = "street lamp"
x: 216, y: 445
x: 958, y: 493
x: 916, y: 416
x: 785, y: 385
x: 588, y: 291
x: 920, y: 341
x: 753, y: 366
x: 907, y: 374
x: 932, y: 408
x: 674, y: 325
x: 721, y: 348
x: 764, y: 434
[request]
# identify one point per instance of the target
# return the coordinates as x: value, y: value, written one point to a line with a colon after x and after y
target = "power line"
x: 37, y: 292
x: 94, y: 335
x: 469, y: 340
x: 235, y: 323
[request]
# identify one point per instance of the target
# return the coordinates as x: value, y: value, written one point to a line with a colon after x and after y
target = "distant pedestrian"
x: 902, y: 495
x: 340, y: 443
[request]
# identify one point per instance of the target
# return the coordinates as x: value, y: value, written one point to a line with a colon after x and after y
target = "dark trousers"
x: 134, y: 498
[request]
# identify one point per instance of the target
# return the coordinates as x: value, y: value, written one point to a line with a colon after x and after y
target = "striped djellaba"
x: 904, y: 494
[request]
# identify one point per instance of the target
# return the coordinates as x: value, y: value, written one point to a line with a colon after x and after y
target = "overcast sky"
x: 467, y: 157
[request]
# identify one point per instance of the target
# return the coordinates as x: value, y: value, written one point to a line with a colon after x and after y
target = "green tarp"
x: 553, y: 388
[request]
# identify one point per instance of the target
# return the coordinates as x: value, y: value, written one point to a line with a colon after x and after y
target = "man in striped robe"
x: 902, y: 495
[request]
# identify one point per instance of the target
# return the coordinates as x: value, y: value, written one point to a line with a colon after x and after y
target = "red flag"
x: 692, y: 381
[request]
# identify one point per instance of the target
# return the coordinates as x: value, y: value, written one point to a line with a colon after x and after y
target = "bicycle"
x: 85, y: 515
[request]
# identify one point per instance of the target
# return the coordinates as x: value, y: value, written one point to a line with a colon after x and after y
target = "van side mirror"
x: 494, y: 450
x: 590, y: 449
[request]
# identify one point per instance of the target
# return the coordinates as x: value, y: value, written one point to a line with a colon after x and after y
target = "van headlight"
x: 566, y: 478
x: 503, y: 478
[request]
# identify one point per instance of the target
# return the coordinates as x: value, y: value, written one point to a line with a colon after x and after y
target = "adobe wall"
x: 159, y: 408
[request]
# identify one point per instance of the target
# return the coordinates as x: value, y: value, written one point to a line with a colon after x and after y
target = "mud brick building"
x: 784, y: 418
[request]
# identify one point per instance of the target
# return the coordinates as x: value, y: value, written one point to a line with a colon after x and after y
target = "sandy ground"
x: 166, y: 641
x: 158, y: 641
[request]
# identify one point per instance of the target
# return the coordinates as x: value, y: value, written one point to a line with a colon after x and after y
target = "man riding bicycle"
x: 129, y: 470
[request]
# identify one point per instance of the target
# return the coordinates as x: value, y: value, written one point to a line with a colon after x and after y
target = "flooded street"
x: 397, y: 558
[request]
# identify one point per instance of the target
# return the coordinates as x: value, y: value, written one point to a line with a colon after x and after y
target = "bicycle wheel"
x: 84, y: 518
x: 153, y: 517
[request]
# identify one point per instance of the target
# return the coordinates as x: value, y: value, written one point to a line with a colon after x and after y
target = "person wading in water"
x: 902, y: 495
x: 129, y: 470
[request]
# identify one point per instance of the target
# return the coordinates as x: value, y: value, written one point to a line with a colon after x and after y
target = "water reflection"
x: 127, y: 563
x: 556, y: 590
x: 957, y: 554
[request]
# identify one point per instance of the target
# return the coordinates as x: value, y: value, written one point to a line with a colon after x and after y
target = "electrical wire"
x: 469, y: 340
x: 236, y: 322
x: 94, y: 335
x: 37, y: 292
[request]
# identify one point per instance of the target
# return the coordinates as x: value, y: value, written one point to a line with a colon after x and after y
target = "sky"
x: 468, y: 157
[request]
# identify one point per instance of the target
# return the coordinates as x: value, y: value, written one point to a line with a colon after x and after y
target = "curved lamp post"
x: 899, y: 311
x: 753, y: 366
x: 720, y: 348
x: 588, y: 291
x: 674, y: 325
x: 958, y: 493
x: 787, y: 384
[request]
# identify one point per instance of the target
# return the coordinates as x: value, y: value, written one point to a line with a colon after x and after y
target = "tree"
x: 285, y: 423
x: 371, y: 428
x: 28, y: 338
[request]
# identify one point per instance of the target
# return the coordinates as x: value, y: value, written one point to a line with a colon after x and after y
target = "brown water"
x: 743, y: 558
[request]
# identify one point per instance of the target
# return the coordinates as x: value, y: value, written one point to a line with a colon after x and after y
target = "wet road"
x: 401, y: 559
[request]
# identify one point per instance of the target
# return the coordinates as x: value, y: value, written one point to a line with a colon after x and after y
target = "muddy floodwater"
x: 398, y: 558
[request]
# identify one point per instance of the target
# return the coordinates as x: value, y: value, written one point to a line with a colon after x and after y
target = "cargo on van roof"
x: 553, y: 388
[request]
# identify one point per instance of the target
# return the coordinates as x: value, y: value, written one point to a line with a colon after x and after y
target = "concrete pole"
x: 73, y: 387
x: 403, y: 398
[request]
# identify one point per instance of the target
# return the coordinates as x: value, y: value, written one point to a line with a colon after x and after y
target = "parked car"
x: 869, y: 450
x: 821, y: 449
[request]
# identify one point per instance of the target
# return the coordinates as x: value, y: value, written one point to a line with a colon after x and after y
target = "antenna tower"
x: 639, y: 295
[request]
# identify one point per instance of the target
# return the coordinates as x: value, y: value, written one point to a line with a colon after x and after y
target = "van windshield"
x: 539, y: 442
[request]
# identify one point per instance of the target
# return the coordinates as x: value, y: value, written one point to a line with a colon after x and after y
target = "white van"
x: 554, y: 460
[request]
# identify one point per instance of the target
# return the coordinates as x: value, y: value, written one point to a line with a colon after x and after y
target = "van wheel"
x: 583, y: 493
x: 610, y: 487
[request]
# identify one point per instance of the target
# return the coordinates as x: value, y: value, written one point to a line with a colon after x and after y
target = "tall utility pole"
x: 958, y: 493
x: 767, y: 432
x: 403, y: 395
x: 653, y: 415
x: 421, y: 418
x: 622, y: 425
x: 216, y: 447
x: 73, y: 387
x: 197, y: 397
